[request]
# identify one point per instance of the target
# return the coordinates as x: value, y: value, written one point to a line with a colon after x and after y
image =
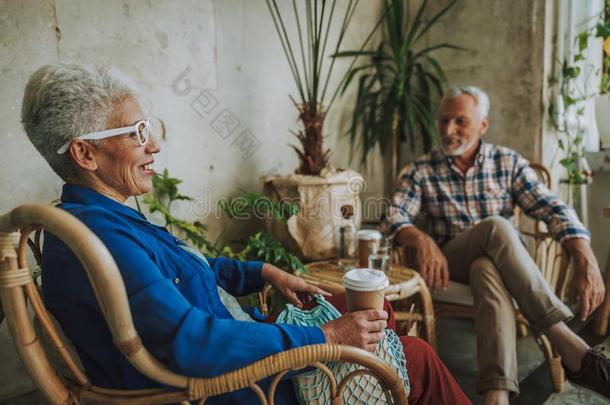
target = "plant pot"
x: 313, y: 234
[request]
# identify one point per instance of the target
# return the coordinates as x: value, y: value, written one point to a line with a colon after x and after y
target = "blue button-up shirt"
x: 173, y: 299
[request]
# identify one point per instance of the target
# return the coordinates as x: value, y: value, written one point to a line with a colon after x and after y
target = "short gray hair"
x: 481, y: 98
x: 66, y: 100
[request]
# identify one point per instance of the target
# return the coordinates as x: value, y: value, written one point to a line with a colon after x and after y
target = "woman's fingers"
x: 312, y: 289
x: 293, y: 298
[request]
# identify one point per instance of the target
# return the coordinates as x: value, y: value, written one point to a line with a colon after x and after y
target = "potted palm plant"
x: 397, y: 87
x: 320, y: 190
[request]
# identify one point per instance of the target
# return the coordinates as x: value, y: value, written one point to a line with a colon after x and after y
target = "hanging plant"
x: 565, y: 84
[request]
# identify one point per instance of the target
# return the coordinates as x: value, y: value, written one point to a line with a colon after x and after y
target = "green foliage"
x: 399, y: 85
x: 566, y: 86
x: 306, y: 54
x: 260, y: 246
x: 269, y: 250
x: 250, y: 203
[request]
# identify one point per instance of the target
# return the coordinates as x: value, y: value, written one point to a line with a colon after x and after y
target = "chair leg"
x: 601, y: 318
x: 554, y: 360
x: 522, y: 329
x: 427, y: 308
x: 522, y: 324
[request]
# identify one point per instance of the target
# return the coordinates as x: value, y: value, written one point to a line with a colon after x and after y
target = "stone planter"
x: 313, y: 234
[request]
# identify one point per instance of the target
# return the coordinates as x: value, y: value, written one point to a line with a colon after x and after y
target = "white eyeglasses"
x: 142, y: 129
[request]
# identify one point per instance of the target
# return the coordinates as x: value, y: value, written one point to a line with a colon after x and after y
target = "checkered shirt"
x: 434, y: 189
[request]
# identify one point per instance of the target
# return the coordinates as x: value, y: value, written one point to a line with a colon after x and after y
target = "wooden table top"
x: 328, y: 274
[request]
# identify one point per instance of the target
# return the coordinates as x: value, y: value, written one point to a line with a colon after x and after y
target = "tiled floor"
x: 456, y: 345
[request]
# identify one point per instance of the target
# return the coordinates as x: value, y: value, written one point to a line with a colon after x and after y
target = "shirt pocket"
x: 496, y: 200
x: 181, y: 269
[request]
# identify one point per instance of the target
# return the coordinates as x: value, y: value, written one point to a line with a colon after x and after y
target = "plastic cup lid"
x: 369, y: 234
x: 365, y: 280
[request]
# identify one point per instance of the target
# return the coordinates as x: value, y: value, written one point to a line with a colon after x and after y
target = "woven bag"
x: 313, y: 387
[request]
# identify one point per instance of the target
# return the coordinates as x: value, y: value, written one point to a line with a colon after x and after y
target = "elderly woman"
x: 90, y: 128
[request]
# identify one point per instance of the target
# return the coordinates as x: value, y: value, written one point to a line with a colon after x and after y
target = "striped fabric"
x: 435, y: 190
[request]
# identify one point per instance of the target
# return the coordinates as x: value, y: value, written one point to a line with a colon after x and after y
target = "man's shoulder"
x: 95, y: 217
x: 430, y: 160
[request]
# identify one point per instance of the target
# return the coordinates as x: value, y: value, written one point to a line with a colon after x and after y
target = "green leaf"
x: 435, y: 18
x: 583, y: 41
x: 344, y: 54
x: 571, y: 71
x: 568, y: 100
x: 602, y: 30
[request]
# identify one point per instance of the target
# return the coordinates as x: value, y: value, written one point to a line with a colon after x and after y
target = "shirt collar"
x: 482, y: 154
x: 84, y: 195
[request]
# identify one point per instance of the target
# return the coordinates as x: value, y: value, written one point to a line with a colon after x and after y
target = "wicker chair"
x: 552, y: 260
x: 17, y: 287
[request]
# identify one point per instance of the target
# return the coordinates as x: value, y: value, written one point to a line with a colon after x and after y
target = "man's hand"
x: 588, y: 282
x: 294, y: 288
x: 431, y: 261
x: 361, y: 329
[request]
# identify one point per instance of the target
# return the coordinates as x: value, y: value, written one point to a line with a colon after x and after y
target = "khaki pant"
x: 492, y: 259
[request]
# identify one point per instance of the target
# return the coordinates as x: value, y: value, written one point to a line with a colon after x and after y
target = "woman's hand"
x: 361, y: 329
x: 294, y: 288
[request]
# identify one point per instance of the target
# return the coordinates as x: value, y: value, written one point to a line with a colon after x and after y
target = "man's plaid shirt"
x: 451, y: 202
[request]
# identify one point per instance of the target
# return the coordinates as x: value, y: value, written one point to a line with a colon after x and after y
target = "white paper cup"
x: 365, y: 289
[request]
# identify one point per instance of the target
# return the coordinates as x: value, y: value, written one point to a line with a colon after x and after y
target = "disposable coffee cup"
x: 365, y: 289
x: 368, y: 244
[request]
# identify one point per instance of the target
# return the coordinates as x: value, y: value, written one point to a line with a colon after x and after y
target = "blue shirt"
x: 173, y: 300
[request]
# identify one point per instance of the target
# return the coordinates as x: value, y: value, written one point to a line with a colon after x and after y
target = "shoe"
x: 594, y: 373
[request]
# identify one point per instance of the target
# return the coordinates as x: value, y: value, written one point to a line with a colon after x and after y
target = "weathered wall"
x: 505, y: 45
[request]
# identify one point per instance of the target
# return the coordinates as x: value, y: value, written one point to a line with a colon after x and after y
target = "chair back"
x: 17, y: 284
x: 550, y: 257
x: 552, y: 260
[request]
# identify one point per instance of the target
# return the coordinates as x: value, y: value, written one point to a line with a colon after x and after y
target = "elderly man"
x: 467, y: 190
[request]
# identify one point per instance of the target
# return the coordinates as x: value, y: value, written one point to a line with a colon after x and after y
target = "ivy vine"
x: 565, y: 83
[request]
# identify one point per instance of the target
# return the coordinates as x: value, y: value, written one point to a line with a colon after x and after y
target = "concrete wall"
x: 230, y: 54
x: 505, y: 46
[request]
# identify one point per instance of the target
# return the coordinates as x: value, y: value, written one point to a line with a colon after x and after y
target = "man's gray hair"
x: 481, y: 98
x: 66, y: 100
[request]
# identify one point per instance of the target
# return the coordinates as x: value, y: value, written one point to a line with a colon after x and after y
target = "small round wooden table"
x: 406, y: 286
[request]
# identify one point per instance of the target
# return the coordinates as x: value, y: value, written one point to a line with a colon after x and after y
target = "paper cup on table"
x: 365, y: 289
x: 368, y: 243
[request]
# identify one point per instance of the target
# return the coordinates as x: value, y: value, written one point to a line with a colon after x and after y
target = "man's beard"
x: 459, y: 150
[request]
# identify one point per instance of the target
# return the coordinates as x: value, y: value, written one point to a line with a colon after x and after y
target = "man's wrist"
x: 410, y: 236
